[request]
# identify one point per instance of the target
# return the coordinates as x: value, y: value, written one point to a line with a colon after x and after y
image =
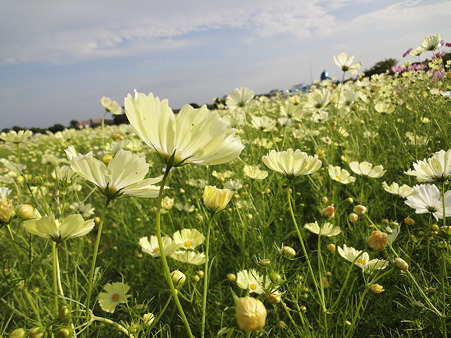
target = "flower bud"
x: 231, y: 277
x: 148, y: 318
x: 275, y: 277
x: 331, y: 247
x: 36, y: 332
x: 377, y: 288
x: 6, y: 211
x: 25, y: 211
x: 274, y: 297
x: 250, y: 314
x: 353, y: 217
x: 409, y: 221
x: 328, y: 211
x: 216, y: 199
x: 435, y: 227
x: 17, y: 333
x: 377, y: 240
x: 178, y: 277
x: 64, y: 312
x: 264, y: 262
x: 401, y: 264
x: 288, y: 251
x: 107, y: 159
x: 167, y: 203
x: 360, y: 210
x: 63, y: 333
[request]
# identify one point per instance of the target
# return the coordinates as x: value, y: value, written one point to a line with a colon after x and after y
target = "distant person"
x: 324, y: 76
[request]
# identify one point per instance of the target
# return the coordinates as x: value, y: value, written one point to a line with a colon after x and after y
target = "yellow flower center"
x: 187, y: 243
x: 338, y: 178
x: 155, y: 250
x: 115, y: 297
x: 361, y: 261
x: 252, y: 286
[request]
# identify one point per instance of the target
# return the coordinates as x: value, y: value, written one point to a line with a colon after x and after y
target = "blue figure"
x: 324, y: 76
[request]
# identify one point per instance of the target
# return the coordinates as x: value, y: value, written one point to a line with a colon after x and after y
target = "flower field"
x: 311, y: 214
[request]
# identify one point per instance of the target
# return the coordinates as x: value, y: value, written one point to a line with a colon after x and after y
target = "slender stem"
x: 55, y: 275
x: 94, y: 258
x: 116, y: 325
x: 207, y: 275
x: 164, y: 262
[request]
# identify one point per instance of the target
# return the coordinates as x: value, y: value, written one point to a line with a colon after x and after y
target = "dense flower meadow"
x: 310, y: 214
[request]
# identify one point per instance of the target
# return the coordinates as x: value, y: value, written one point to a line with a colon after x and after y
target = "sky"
x: 58, y: 58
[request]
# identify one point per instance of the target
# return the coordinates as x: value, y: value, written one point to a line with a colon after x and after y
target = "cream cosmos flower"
x: 70, y: 227
x: 435, y: 168
x: 216, y: 199
x: 124, y: 174
x: 152, y: 248
x: 111, y: 106
x: 188, y: 238
x: 428, y: 200
x: 193, y: 136
x: 116, y: 293
x: 240, y: 97
x: 292, y: 163
x: 344, y: 62
x: 189, y: 256
x: 362, y: 259
x: 16, y: 137
x: 340, y: 175
x: 327, y: 229
x: 366, y: 169
x: 401, y: 191
x: 251, y: 280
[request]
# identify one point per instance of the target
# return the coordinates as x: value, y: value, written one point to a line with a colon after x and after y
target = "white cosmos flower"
x: 189, y: 256
x: 340, y: 175
x: 124, y: 174
x: 435, y: 168
x: 428, y: 200
x: 344, y: 62
x: 431, y: 43
x: 255, y: 172
x: 152, y: 248
x: 111, y: 106
x: 116, y: 293
x: 327, y: 229
x: 292, y: 163
x: 362, y: 259
x: 239, y: 98
x: 188, y: 238
x: 193, y: 136
x: 252, y: 281
x: 366, y: 169
x: 402, y: 191
x: 16, y: 137
x: 48, y: 227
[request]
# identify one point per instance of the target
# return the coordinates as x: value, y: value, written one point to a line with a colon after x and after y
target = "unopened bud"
x: 353, y: 217
x: 36, y: 332
x: 264, y: 262
x: 328, y: 211
x: 64, y: 312
x: 401, y: 264
x: 274, y: 297
x: 331, y: 247
x: 250, y: 314
x: 25, y: 211
x: 288, y: 251
x: 231, y: 277
x: 377, y: 288
x: 17, y: 333
x: 6, y: 211
x: 409, y: 221
x: 63, y: 333
x: 107, y: 159
x: 275, y: 277
x: 178, y: 277
x: 360, y: 210
x: 377, y: 240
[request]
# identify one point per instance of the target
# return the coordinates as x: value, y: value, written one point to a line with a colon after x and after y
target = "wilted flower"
x: 327, y: 229
x: 124, y: 174
x: 401, y: 191
x: 216, y: 199
x: 251, y: 280
x: 429, y: 200
x: 344, y: 62
x: 152, y: 248
x: 239, y: 98
x: 435, y: 168
x: 193, y: 136
x: 188, y: 238
x: 340, y: 175
x: 377, y: 240
x: 116, y: 293
x: 292, y: 163
x: 250, y: 314
x: 111, y: 106
x: 362, y: 259
x: 366, y: 169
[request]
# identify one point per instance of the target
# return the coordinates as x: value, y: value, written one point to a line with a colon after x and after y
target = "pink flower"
x: 407, y: 52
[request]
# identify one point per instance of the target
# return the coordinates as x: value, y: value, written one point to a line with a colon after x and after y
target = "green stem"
x: 94, y: 258
x: 207, y: 275
x: 118, y: 326
x: 55, y: 275
x: 164, y: 262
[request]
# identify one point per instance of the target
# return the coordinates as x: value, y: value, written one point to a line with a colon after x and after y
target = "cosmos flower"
x: 340, y: 175
x: 216, y: 199
x: 16, y: 136
x: 189, y: 256
x: 193, y: 136
x: 48, y: 227
x: 428, y: 200
x: 152, y: 248
x: 239, y: 98
x: 327, y: 229
x: 362, y: 259
x: 435, y: 168
x: 292, y: 163
x: 124, y: 174
x: 111, y: 106
x: 252, y: 281
x: 401, y: 191
x: 255, y: 172
x: 188, y: 238
x: 366, y: 169
x: 431, y: 43
x: 344, y: 62
x: 116, y: 293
